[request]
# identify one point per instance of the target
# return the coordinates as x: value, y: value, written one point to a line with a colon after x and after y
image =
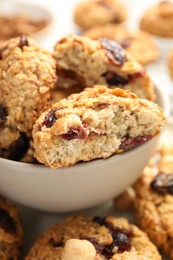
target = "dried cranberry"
x: 120, y: 239
x: 23, y: 42
x: 17, y: 149
x: 132, y: 142
x: 76, y: 132
x: 3, y: 115
x: 163, y: 183
x: 114, y: 79
x: 50, y: 118
x: 6, y: 222
x: 114, y: 51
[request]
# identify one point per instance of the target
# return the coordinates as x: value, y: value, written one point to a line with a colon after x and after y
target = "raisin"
x: 50, y: 118
x: 3, y: 115
x: 114, y: 51
x: 163, y: 183
x: 113, y: 78
x: 76, y: 132
x: 132, y: 142
x: 6, y: 222
x: 23, y: 42
x: 17, y: 149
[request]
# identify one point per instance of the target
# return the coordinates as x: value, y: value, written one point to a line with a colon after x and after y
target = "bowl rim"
x: 47, y: 170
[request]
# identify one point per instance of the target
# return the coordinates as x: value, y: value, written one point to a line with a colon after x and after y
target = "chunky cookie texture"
x: 95, y: 123
x: 135, y: 42
x: 102, y: 62
x: 112, y: 238
x: 158, y: 20
x: 27, y: 74
x: 11, y: 231
x: 92, y: 13
x: 154, y: 201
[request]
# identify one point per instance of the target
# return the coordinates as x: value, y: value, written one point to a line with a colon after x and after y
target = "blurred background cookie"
x: 158, y: 20
x: 92, y: 13
x: 138, y: 43
x: 17, y: 18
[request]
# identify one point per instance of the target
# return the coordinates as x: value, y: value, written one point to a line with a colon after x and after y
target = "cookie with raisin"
x: 102, y: 62
x: 95, y: 123
x: 136, y: 42
x: 27, y: 74
x: 111, y: 237
x: 154, y: 201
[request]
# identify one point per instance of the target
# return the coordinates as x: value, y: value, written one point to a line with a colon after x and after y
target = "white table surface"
x: 36, y: 222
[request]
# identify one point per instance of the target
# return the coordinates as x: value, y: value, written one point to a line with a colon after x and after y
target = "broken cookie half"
x: 101, y: 62
x: 96, y: 123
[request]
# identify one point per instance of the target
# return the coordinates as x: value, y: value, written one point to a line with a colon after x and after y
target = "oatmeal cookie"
x: 135, y: 42
x: 102, y: 62
x: 92, y: 13
x: 112, y: 238
x: 158, y: 20
x: 27, y: 73
x: 11, y: 231
x: 154, y: 201
x: 95, y: 123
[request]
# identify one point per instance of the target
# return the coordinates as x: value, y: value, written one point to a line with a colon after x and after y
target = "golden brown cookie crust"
x: 27, y: 75
x: 99, y: 230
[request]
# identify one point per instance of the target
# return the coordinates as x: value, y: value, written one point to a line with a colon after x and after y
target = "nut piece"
x: 76, y: 249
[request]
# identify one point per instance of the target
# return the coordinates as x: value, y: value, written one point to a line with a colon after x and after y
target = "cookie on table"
x: 154, y: 201
x: 102, y: 62
x: 112, y: 238
x: 11, y: 231
x: 95, y: 123
x: 158, y: 20
x: 92, y: 13
x: 27, y: 74
x: 135, y: 42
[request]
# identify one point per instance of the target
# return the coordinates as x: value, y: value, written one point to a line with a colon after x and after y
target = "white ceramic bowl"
x: 34, y: 11
x: 80, y: 186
